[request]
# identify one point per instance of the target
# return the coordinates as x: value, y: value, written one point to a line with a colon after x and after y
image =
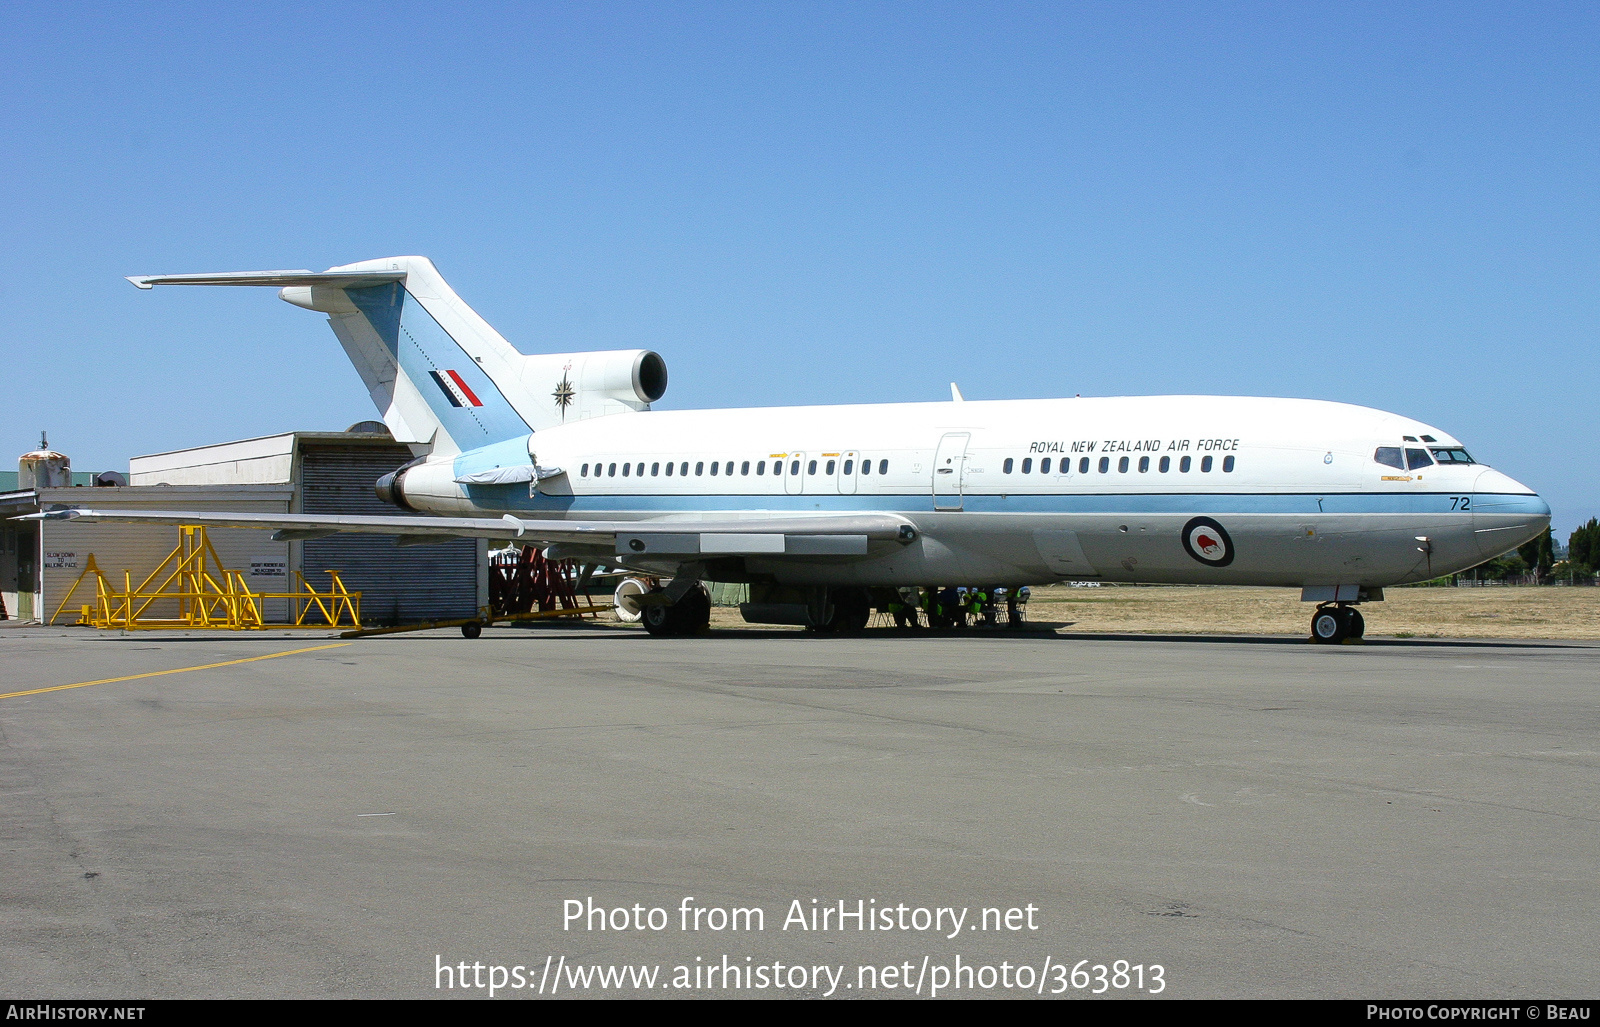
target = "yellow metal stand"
x: 332, y: 604
x: 207, y: 594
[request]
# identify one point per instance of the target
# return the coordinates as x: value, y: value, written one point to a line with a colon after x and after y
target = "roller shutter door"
x: 397, y: 584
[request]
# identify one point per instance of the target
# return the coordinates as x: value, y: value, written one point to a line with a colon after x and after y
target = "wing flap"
x: 744, y: 543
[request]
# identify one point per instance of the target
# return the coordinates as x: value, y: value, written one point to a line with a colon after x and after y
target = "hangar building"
x: 296, y: 472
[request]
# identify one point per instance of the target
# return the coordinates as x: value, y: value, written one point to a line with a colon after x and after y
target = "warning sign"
x: 61, y: 561
x: 269, y: 567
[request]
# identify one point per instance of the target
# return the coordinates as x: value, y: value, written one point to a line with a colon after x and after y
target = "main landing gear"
x: 690, y: 615
x: 848, y: 609
x: 1335, y: 622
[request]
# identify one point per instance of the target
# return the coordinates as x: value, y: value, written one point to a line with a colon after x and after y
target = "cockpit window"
x: 1390, y: 456
x: 1416, y: 458
x: 1452, y: 456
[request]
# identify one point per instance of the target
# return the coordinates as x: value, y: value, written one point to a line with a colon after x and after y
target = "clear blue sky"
x: 796, y: 203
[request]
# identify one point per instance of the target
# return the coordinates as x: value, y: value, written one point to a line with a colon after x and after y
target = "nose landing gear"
x: 1335, y: 622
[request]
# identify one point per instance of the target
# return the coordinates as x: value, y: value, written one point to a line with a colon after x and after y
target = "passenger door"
x: 847, y: 472
x: 794, y: 467
x: 949, y: 466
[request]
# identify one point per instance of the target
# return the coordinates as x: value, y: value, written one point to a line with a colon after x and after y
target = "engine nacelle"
x: 583, y: 385
x: 425, y: 485
x: 545, y: 389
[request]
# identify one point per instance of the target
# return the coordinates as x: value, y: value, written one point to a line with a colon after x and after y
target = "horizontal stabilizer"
x: 335, y: 279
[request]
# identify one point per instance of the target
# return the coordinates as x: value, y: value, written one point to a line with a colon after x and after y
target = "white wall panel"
x: 140, y: 548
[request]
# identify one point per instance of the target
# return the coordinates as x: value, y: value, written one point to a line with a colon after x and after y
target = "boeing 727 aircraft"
x: 826, y: 510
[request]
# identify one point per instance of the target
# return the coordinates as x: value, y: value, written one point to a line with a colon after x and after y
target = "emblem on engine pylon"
x: 564, y: 392
x: 1207, y: 541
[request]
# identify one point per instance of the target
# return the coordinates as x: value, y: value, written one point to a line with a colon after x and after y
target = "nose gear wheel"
x: 1333, y: 623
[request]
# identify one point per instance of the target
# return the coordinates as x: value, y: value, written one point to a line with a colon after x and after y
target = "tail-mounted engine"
x: 576, y: 386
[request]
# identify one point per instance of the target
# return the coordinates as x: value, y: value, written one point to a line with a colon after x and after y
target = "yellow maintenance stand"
x: 206, y: 594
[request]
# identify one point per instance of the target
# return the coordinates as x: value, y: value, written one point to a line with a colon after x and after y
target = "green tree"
x: 1539, y: 554
x: 1583, y: 547
x: 1498, y: 569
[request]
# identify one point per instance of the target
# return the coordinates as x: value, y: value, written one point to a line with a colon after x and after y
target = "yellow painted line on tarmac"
x: 177, y: 670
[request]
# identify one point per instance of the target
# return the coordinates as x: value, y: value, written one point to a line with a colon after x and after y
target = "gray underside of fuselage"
x: 1290, y: 550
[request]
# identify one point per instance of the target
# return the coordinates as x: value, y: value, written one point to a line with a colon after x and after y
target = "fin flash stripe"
x: 456, y: 390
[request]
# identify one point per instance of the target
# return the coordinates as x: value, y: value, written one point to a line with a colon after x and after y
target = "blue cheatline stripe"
x: 516, y: 498
x: 425, y: 351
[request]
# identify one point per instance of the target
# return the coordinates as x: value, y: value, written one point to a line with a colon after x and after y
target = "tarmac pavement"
x: 1260, y: 818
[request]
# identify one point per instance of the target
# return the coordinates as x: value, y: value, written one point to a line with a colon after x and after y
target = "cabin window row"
x: 1124, y: 464
x: 725, y: 468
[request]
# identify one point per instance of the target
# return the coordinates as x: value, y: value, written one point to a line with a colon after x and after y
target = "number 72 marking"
x: 1461, y: 502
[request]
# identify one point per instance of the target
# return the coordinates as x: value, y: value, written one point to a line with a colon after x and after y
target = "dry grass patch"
x: 1495, y: 612
x: 1551, y: 612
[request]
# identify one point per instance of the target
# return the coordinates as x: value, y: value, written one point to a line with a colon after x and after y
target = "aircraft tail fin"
x: 446, y: 381
x: 437, y: 370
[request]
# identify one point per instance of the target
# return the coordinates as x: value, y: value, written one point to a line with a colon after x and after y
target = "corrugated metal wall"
x: 397, y: 584
x: 139, y: 548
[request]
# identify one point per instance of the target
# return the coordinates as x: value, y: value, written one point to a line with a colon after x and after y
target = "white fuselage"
x: 1027, y: 491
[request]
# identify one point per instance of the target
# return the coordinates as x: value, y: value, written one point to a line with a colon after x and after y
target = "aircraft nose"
x: 1506, y: 513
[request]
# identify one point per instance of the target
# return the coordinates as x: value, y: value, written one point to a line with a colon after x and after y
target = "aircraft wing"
x: 776, y: 535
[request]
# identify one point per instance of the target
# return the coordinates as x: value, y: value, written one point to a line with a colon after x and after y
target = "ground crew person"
x: 984, y: 607
x: 1013, y: 615
x: 950, y: 608
x: 903, y: 609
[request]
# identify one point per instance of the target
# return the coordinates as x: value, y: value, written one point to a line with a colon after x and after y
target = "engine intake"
x: 650, y: 376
